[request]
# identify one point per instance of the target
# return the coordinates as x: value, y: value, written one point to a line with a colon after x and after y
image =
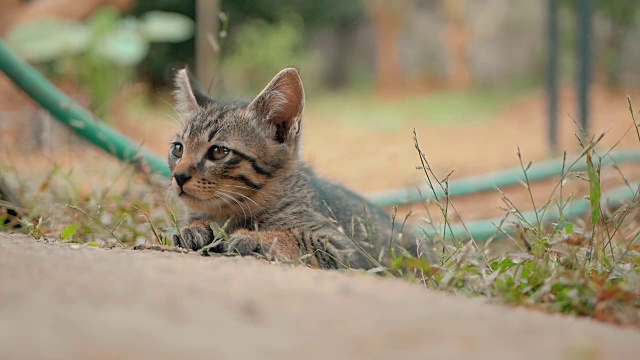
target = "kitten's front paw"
x: 279, y: 245
x: 241, y: 242
x: 194, y: 236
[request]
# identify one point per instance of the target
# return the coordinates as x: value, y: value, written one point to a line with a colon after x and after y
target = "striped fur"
x: 238, y: 163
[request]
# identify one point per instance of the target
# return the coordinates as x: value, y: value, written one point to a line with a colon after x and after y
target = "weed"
x: 34, y: 227
x: 588, y: 266
x: 109, y: 204
x: 68, y: 232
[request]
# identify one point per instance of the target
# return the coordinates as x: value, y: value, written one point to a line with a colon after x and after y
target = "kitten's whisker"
x: 229, y: 205
x: 245, y: 197
x: 236, y: 201
x: 242, y: 205
x: 218, y: 203
x: 175, y: 122
x: 181, y: 122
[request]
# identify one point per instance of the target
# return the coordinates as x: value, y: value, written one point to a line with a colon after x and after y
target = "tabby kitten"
x: 239, y: 164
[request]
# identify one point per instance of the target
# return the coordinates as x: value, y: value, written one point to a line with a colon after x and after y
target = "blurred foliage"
x: 311, y: 15
x: 314, y: 17
x: 314, y: 14
x: 101, y: 53
x: 622, y: 13
x: 259, y: 52
x: 622, y: 16
x: 164, y: 58
x: 102, y: 75
x: 48, y: 39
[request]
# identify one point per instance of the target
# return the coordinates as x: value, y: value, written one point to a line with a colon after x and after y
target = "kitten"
x: 239, y: 164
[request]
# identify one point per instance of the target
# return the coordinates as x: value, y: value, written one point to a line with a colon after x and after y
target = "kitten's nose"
x: 181, y: 178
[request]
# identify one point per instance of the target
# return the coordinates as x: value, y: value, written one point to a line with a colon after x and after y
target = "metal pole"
x: 584, y: 72
x: 552, y: 75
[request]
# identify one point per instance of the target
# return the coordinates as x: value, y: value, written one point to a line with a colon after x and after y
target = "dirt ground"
x: 63, y: 301
x: 71, y: 301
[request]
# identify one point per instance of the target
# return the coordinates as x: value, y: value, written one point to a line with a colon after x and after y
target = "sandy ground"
x: 61, y: 301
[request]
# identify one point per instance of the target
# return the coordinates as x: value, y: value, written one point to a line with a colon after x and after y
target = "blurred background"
x: 471, y: 77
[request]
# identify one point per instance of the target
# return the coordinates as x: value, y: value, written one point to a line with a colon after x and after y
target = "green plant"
x: 259, y: 51
x: 588, y: 267
x: 68, y: 232
x: 622, y: 17
x: 126, y: 207
x: 101, y: 53
x: 34, y: 227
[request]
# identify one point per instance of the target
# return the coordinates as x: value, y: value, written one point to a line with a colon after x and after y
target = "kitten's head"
x: 228, y: 152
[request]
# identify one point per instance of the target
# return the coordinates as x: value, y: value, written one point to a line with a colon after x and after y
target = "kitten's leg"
x: 285, y: 245
x: 278, y: 244
x: 195, y: 235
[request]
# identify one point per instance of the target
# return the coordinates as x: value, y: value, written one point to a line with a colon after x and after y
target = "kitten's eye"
x: 176, y: 150
x: 217, y: 152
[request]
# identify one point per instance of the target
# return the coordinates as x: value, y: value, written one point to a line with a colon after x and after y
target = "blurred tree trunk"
x: 206, y: 42
x: 457, y: 38
x: 338, y: 68
x: 388, y: 18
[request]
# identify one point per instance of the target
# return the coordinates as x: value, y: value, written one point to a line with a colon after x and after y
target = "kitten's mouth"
x: 185, y: 196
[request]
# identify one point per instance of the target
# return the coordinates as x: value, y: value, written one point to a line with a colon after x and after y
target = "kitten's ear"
x: 188, y: 95
x: 280, y: 104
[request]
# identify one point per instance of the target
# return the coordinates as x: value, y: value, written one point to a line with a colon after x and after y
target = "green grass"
x: 127, y: 208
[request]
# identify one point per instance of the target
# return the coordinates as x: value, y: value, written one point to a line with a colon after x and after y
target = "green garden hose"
x: 73, y: 115
x: 482, y: 230
x: 499, y: 179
